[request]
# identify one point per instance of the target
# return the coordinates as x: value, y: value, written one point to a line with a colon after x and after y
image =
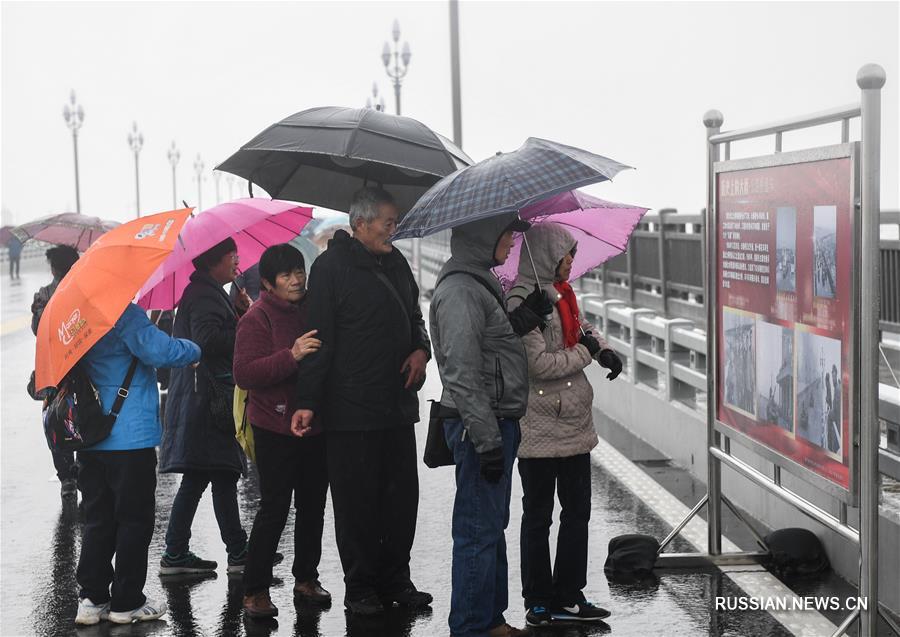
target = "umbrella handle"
x: 530, y: 258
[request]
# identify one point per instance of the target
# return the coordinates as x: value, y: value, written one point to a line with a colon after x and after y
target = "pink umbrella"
x: 67, y: 228
x: 254, y: 224
x: 602, y: 229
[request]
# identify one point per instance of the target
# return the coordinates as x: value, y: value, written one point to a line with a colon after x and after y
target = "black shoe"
x: 580, y: 612
x: 68, y: 488
x: 366, y: 606
x: 408, y: 597
x: 278, y: 559
x: 187, y: 563
x: 538, y: 616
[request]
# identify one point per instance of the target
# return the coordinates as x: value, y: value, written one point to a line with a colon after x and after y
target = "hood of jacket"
x: 473, y: 243
x: 548, y: 242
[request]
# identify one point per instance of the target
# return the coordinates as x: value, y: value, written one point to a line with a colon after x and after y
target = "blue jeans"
x: 225, y: 505
x: 480, y: 517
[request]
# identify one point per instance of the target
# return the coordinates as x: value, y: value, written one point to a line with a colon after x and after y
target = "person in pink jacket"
x: 270, y: 341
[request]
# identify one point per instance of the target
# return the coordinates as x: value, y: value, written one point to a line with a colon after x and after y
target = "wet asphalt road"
x: 41, y: 539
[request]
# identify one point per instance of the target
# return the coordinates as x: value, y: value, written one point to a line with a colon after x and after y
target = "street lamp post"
x: 73, y: 114
x: 397, y: 73
x: 198, y: 168
x: 375, y: 101
x: 174, y: 156
x: 136, y: 142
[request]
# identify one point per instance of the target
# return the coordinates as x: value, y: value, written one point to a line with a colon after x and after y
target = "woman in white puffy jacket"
x: 557, y: 434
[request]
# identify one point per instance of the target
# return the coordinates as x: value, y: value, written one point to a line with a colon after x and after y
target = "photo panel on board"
x: 775, y: 375
x: 740, y: 360
x: 786, y: 249
x: 819, y: 391
x: 825, y: 251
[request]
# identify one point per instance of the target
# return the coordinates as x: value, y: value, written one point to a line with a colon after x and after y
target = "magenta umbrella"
x: 254, y: 224
x: 67, y: 228
x: 602, y: 229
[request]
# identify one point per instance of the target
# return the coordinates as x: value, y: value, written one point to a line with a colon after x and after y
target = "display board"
x: 784, y: 302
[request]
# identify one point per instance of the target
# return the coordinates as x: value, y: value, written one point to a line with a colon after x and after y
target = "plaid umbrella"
x: 506, y: 182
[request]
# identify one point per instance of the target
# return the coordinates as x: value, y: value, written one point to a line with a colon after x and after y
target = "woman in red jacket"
x: 270, y: 341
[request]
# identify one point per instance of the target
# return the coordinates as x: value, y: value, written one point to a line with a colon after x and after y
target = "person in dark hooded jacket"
x: 484, y: 371
x: 362, y: 384
x: 196, y: 442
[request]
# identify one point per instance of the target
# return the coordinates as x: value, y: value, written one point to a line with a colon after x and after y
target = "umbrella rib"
x: 247, y: 234
x: 591, y: 234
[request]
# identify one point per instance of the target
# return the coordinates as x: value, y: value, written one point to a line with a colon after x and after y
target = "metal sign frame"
x: 840, y: 151
x: 864, y: 323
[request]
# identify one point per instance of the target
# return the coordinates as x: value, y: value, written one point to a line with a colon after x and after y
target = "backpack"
x: 631, y: 556
x: 796, y: 552
x: 74, y: 417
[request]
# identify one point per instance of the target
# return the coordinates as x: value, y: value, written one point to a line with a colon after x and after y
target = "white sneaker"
x: 149, y: 611
x: 90, y: 613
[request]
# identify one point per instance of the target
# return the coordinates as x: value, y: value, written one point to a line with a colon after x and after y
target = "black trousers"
x: 119, y: 493
x: 542, y: 478
x: 289, y: 467
x: 375, y: 493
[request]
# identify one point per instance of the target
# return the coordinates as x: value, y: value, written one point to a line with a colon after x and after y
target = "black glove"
x: 492, y: 464
x: 592, y: 344
x: 523, y: 320
x: 611, y: 361
x: 539, y: 302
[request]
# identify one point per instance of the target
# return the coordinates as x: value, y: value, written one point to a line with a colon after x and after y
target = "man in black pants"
x: 364, y: 302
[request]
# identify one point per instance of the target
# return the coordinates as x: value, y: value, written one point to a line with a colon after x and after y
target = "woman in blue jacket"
x: 117, y: 476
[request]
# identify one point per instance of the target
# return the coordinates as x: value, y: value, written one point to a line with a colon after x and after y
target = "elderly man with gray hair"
x: 361, y: 386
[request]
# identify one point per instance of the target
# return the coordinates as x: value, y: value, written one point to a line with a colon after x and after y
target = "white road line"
x: 756, y: 583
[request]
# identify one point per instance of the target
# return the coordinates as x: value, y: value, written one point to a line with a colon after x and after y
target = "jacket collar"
x: 360, y: 255
x: 205, y: 279
x: 269, y: 300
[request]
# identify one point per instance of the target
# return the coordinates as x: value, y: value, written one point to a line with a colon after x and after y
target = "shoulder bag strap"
x: 477, y: 278
x: 390, y: 286
x: 122, y: 394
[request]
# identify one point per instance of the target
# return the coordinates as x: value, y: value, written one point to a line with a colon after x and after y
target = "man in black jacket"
x: 364, y: 302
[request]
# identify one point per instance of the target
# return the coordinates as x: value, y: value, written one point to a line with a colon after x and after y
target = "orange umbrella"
x: 94, y: 294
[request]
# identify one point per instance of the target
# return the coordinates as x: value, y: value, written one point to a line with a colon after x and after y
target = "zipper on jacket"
x: 499, y: 387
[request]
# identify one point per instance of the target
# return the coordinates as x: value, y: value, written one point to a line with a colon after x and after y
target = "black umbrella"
x: 321, y: 156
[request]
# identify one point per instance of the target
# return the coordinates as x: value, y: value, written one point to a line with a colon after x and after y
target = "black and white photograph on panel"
x: 819, y: 391
x: 775, y: 374
x: 786, y: 249
x: 740, y: 359
x: 824, y: 250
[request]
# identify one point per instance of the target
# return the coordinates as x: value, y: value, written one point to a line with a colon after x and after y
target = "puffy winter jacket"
x: 560, y: 398
x: 137, y: 426
x: 481, y: 360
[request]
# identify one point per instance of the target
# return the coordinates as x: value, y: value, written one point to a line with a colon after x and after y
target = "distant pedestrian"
x: 362, y: 384
x: 484, y: 372
x: 271, y: 340
x: 61, y: 260
x: 557, y: 436
x: 198, y: 440
x: 14, y: 249
x: 117, y: 476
